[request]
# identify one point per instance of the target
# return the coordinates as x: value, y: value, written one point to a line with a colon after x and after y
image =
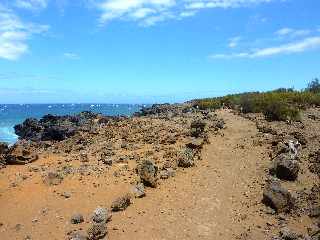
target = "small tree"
x: 314, y: 86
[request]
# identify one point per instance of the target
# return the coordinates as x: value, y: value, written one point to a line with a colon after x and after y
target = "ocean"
x: 12, y: 114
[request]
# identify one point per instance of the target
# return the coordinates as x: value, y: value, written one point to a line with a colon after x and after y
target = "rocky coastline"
x: 142, y: 150
x: 156, y: 144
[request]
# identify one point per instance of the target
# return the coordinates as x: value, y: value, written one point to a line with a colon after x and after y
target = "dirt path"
x: 219, y: 199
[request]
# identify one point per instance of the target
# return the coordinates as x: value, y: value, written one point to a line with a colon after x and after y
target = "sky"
x: 147, y: 51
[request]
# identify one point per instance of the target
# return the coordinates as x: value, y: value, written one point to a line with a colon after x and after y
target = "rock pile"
x: 54, y: 128
x: 295, y: 164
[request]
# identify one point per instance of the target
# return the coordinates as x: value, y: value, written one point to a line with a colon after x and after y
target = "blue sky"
x: 143, y: 51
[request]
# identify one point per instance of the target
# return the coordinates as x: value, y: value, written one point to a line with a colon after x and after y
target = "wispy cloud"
x: 14, y: 34
x: 31, y: 4
x: 303, y: 45
x: 72, y: 56
x: 149, y: 12
x: 233, y: 42
x: 200, y: 4
x: 290, y: 32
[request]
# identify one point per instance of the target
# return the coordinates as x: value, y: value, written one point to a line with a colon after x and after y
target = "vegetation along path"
x: 219, y: 199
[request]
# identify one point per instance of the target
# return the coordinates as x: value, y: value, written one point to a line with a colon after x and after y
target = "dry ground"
x: 219, y: 199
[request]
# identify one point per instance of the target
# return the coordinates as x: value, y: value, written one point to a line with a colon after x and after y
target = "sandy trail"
x: 219, y: 199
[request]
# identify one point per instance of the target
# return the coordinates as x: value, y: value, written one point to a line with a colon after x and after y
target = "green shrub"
x: 280, y: 111
x: 314, y: 86
x: 208, y: 104
x: 281, y: 104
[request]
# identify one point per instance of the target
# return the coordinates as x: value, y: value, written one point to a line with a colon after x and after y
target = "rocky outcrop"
x: 54, y: 128
x: 21, y: 153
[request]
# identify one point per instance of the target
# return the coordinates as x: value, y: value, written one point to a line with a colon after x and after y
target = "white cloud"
x: 290, y: 32
x: 72, y: 56
x: 187, y: 14
x: 15, y: 33
x: 199, y: 4
x: 149, y: 12
x: 306, y: 44
x: 31, y: 4
x: 135, y: 9
x: 233, y: 42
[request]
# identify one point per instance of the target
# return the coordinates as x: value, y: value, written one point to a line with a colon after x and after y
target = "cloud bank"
x: 303, y: 45
x: 14, y: 34
x: 149, y: 12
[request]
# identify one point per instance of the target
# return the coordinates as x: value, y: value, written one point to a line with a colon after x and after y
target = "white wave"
x: 7, y: 134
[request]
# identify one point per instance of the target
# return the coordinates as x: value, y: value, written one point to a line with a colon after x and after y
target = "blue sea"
x: 12, y: 114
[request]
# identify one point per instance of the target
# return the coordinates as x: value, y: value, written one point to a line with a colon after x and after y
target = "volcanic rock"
x: 97, y: 231
x: 148, y: 173
x: 138, y: 191
x: 20, y: 154
x: 277, y: 197
x: 77, y: 218
x: 286, y: 168
x: 121, y: 203
x: 101, y: 215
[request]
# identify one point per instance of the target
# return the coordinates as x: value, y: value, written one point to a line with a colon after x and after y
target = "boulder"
x: 286, y: 168
x: 148, y: 173
x: 300, y: 137
x: 121, y: 203
x: 97, y: 231
x: 77, y: 218
x: 138, y: 191
x: 77, y: 235
x: 101, y: 215
x: 265, y: 128
x: 197, y: 128
x: 167, y: 173
x: 53, y: 178
x: 196, y: 143
x: 277, y: 197
x: 186, y: 158
x: 21, y: 154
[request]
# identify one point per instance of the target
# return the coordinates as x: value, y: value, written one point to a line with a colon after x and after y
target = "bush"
x: 208, y: 104
x: 281, y: 104
x: 280, y: 111
x: 314, y: 86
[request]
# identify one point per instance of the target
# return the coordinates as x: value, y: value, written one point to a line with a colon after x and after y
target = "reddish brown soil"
x: 220, y: 198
